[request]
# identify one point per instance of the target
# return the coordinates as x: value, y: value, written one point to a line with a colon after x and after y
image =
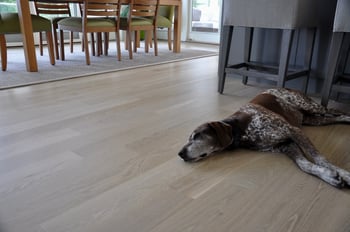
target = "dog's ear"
x: 223, y: 132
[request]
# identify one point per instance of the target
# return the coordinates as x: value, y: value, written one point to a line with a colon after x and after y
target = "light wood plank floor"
x: 99, y: 154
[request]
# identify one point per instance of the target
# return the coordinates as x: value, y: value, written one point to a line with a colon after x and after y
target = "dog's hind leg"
x: 324, y: 173
x: 315, y: 114
x: 309, y: 150
x: 325, y: 119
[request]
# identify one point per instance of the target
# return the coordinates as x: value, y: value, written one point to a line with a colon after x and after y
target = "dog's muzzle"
x: 186, y: 158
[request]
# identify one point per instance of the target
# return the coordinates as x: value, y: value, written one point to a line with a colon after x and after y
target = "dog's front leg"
x: 308, y: 148
x: 324, y: 173
x: 345, y: 175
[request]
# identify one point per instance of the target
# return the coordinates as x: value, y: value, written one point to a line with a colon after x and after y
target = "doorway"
x: 204, y: 23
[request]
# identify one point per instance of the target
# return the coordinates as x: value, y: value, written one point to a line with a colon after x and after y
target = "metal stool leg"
x: 248, y: 40
x: 336, y: 43
x: 225, y: 45
x: 310, y: 42
x: 287, y: 39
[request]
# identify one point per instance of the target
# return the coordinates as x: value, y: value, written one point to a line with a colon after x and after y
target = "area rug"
x: 74, y: 66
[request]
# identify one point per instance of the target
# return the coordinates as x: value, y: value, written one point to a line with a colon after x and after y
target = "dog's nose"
x: 182, y: 154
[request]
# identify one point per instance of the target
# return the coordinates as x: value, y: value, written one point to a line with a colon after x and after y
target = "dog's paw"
x: 338, y: 182
x: 346, y: 178
x: 342, y: 174
x: 344, y: 118
x: 333, y: 178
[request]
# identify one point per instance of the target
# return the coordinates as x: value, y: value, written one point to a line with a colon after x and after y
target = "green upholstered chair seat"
x: 163, y: 21
x: 56, y: 19
x: 91, y: 22
x: 164, y: 18
x: 9, y: 23
x: 136, y: 21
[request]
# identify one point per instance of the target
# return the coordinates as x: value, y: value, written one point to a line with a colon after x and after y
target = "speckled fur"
x: 271, y: 122
x: 265, y: 128
x: 296, y: 100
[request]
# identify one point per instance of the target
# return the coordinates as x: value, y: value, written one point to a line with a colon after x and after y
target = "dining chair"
x: 337, y: 80
x: 92, y: 38
x: 141, y: 17
x: 9, y: 24
x: 55, y: 12
x: 285, y: 16
x: 165, y: 19
x: 98, y: 16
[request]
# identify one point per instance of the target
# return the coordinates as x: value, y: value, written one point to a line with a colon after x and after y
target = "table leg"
x: 27, y: 33
x: 177, y: 27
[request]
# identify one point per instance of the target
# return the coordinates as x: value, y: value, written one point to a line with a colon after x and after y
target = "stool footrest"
x: 264, y: 71
x: 342, y: 84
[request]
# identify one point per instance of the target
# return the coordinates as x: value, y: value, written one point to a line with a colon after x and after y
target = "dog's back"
x: 283, y: 103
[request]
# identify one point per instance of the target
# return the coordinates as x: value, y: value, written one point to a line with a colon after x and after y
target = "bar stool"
x: 287, y: 15
x: 336, y: 81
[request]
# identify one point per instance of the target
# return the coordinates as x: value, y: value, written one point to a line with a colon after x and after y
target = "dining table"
x: 23, y: 7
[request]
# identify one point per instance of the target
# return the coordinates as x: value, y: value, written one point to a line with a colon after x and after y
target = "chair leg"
x: 225, y: 45
x: 41, y: 43
x: 136, y: 40
x: 287, y: 39
x: 335, y: 46
x: 169, y: 38
x: 150, y: 43
x: 86, y: 48
x: 82, y: 44
x: 310, y: 42
x: 248, y: 41
x: 126, y: 42
x: 128, y: 39
x: 147, y: 41
x: 62, y: 45
x: 50, y: 47
x: 98, y: 44
x: 106, y: 42
x: 155, y: 41
x: 3, y: 51
x: 117, y: 40
x: 71, y: 41
x: 55, y: 41
x: 92, y: 44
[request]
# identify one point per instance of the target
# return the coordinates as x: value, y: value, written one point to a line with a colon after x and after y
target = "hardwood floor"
x: 99, y: 154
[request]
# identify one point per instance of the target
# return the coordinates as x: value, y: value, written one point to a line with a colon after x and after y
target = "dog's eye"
x: 196, y: 136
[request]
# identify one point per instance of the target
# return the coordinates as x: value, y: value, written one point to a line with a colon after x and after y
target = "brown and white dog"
x: 271, y: 122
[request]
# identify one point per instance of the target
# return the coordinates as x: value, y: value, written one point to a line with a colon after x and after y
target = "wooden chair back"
x: 144, y: 8
x: 101, y: 8
x: 49, y: 8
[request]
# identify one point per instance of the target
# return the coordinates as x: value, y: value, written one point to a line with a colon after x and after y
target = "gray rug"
x: 74, y: 66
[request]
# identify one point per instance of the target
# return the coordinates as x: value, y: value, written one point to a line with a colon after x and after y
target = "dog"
x: 271, y: 122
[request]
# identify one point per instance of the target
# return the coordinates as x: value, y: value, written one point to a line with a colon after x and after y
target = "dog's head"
x: 207, y: 139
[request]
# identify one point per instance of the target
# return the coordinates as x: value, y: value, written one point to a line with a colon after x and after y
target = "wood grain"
x: 99, y: 153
